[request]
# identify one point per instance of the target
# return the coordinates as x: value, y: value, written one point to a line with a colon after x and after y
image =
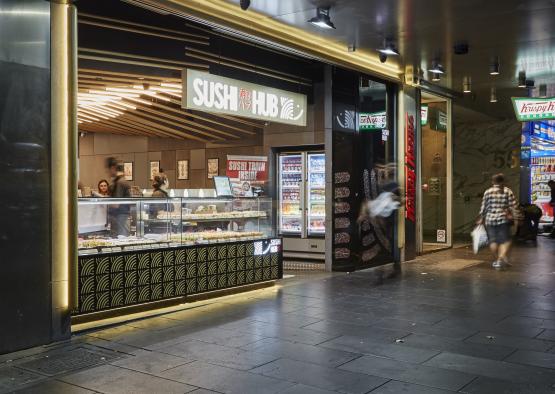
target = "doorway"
x: 435, y: 169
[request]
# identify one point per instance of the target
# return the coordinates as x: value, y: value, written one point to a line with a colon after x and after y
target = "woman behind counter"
x: 103, y: 189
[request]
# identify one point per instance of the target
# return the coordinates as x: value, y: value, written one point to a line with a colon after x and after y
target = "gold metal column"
x: 63, y: 164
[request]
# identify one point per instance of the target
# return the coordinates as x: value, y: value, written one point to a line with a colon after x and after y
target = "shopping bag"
x: 479, y: 238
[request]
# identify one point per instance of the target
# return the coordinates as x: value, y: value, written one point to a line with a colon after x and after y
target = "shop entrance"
x: 435, y: 225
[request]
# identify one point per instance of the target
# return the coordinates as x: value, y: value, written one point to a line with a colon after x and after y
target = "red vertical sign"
x: 410, y: 169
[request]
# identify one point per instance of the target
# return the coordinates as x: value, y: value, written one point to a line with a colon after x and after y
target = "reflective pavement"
x: 446, y: 323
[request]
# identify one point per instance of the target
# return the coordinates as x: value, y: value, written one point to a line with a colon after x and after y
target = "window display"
x: 155, y: 223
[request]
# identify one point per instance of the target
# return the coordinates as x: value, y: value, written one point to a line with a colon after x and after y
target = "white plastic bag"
x: 479, y: 238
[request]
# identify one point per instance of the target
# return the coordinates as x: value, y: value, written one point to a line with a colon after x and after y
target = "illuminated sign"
x: 373, y: 121
x: 424, y: 115
x: 527, y: 108
x: 211, y: 93
x: 410, y: 168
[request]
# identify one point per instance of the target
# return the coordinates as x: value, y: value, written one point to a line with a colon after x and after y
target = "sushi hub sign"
x: 203, y: 91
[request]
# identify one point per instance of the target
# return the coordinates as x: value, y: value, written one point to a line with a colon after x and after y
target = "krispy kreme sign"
x: 527, y: 108
x: 206, y: 92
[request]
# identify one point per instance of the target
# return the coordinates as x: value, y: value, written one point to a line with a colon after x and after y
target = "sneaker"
x: 496, y: 264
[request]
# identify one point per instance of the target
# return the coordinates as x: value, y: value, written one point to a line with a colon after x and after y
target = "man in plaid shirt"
x: 496, y: 213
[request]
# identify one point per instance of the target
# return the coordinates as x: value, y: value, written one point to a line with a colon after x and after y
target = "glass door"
x: 291, y: 194
x: 316, y: 194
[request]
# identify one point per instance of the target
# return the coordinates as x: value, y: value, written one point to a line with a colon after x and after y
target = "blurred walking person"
x: 496, y: 213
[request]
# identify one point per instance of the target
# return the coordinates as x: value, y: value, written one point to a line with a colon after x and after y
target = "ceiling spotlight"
x: 437, y: 68
x: 494, y: 67
x: 467, y: 85
x: 530, y: 84
x: 543, y: 90
x: 388, y: 49
x: 351, y: 48
x: 383, y: 57
x: 436, y: 77
x: 493, y: 95
x: 245, y: 4
x: 522, y: 79
x: 322, y: 18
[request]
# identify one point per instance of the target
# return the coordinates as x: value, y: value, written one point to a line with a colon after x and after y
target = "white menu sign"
x: 203, y: 91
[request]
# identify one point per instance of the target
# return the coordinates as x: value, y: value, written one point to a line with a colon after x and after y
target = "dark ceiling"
x: 520, y: 33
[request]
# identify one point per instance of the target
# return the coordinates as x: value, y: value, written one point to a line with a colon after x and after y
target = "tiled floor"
x: 447, y: 323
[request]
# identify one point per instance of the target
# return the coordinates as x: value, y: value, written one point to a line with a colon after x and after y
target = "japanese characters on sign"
x: 410, y: 168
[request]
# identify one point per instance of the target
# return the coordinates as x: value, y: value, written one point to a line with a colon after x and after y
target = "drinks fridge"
x: 302, y: 208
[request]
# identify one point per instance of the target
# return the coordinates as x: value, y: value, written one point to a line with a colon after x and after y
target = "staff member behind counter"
x: 118, y: 214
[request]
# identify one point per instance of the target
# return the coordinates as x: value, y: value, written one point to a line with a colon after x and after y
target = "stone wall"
x: 481, y: 149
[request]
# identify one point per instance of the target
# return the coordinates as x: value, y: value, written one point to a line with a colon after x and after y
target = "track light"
x: 388, y: 49
x: 245, y: 4
x: 322, y: 18
x: 543, y: 90
x: 494, y: 67
x: 436, y: 77
x: 522, y: 79
x: 352, y: 48
x: 383, y: 57
x: 437, y: 68
x: 467, y: 85
x: 493, y: 95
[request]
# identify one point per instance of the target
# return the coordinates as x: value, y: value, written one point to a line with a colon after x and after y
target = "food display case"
x: 139, y: 250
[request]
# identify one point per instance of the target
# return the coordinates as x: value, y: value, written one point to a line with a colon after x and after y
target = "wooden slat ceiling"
x: 130, y: 103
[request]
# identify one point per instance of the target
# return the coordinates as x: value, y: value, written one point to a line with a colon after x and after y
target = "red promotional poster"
x: 244, y: 172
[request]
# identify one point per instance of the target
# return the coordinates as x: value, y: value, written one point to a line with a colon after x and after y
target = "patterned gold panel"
x: 180, y: 256
x: 102, y: 265
x: 241, y: 278
x: 222, y: 252
x: 241, y: 250
x: 258, y: 275
x: 191, y: 286
x: 88, y: 303
x: 232, y: 279
x: 87, y: 285
x: 169, y: 273
x: 130, y: 262
x: 192, y: 255
x: 202, y: 284
x: 212, y: 267
x: 202, y: 268
x: 144, y: 277
x: 274, y: 259
x: 87, y: 267
x: 222, y: 281
x: 222, y: 267
x: 241, y: 264
x: 169, y: 289
x: 144, y: 294
x: 168, y: 258
x: 275, y: 272
x: 191, y: 270
x: 249, y: 276
x: 181, y: 287
x: 156, y: 291
x: 102, y: 283
x: 266, y: 261
x: 131, y: 296
x: 156, y: 275
x: 131, y: 279
x: 116, y: 298
x: 231, y: 265
x: 156, y: 259
x: 257, y: 261
x: 267, y: 273
x: 202, y: 254
x: 212, y: 282
x: 212, y: 253
x: 143, y: 261
x: 103, y: 300
x: 180, y: 271
x: 249, y: 262
x: 117, y: 281
x: 232, y: 250
x: 250, y: 249
x: 116, y: 264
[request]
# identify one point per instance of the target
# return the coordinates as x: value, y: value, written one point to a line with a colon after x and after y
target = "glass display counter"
x: 140, y: 250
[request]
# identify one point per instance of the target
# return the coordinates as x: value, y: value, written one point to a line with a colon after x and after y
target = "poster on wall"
x: 183, y: 170
x: 154, y: 169
x: 128, y: 170
x: 246, y: 172
x: 213, y: 167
